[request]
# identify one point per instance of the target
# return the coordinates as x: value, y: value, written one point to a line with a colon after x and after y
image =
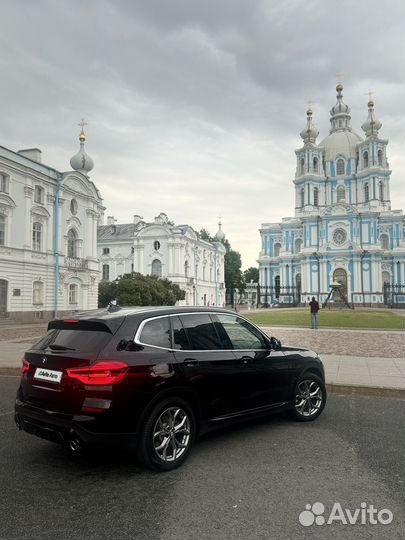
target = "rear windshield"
x: 73, y: 340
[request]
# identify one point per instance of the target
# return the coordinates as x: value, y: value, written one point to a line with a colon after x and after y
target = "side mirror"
x: 128, y: 345
x: 275, y: 343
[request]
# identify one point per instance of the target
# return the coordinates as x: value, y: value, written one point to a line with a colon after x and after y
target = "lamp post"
x: 315, y: 254
x: 361, y: 274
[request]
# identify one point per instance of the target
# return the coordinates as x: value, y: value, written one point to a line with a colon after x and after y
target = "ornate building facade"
x: 165, y: 250
x: 48, y: 235
x: 344, y: 229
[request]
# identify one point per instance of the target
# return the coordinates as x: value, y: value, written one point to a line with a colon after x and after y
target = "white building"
x: 48, y: 235
x: 166, y: 250
x: 344, y: 229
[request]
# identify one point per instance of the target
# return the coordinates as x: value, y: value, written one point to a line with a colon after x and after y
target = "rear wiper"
x: 60, y: 348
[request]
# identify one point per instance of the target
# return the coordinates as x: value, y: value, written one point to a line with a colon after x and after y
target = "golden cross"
x: 82, y: 123
x: 339, y: 77
x: 370, y: 94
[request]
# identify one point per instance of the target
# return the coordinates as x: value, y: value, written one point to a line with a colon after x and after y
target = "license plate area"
x: 48, y: 375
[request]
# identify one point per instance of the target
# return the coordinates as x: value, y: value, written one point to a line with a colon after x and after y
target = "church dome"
x: 220, y: 236
x: 342, y: 140
x: 310, y: 132
x: 372, y: 124
x: 81, y: 161
x: 340, y: 143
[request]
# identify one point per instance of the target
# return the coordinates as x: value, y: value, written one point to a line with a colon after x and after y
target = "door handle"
x: 246, y: 359
x: 191, y: 362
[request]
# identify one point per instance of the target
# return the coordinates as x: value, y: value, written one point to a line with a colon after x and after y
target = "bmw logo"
x: 44, y: 360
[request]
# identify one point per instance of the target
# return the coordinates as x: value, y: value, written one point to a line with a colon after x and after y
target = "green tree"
x: 138, y: 290
x: 251, y: 274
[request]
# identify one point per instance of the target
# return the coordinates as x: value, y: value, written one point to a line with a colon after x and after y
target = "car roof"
x: 120, y: 312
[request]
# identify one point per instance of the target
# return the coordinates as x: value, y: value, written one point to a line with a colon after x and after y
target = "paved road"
x: 246, y: 482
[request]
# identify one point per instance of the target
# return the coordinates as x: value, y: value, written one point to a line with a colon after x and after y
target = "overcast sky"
x: 194, y: 107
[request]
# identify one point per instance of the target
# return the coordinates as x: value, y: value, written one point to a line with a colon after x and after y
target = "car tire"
x: 167, y: 435
x: 309, y: 398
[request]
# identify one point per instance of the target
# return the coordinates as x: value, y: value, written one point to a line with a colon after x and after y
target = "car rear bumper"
x: 61, y: 428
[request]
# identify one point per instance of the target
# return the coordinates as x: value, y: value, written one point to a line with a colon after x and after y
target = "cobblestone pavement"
x: 22, y: 331
x: 367, y: 343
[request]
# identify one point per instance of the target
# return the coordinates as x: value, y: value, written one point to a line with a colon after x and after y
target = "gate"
x: 394, y: 295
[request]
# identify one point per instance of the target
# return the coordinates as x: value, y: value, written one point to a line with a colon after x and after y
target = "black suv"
x: 155, y: 378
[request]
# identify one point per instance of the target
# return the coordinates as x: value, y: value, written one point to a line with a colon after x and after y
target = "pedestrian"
x: 314, y: 306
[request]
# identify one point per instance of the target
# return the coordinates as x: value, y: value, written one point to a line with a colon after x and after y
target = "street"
x: 251, y: 481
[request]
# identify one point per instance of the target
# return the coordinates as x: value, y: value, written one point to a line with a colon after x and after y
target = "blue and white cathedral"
x: 344, y: 229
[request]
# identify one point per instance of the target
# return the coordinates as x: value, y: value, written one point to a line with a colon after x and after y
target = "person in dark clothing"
x: 314, y: 306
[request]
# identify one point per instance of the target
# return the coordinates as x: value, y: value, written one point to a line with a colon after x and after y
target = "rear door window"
x: 156, y: 332
x: 180, y: 338
x: 201, y: 332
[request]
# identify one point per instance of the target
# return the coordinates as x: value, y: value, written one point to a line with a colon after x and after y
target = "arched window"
x: 73, y: 293
x: 37, y: 236
x: 302, y: 197
x: 315, y: 165
x: 341, y: 193
x: 39, y: 194
x: 106, y: 272
x: 380, y: 158
x: 365, y: 160
x: 340, y: 166
x: 297, y: 245
x: 381, y: 191
x: 3, y: 183
x: 316, y: 197
x: 366, y: 193
x: 73, y: 207
x: 2, y: 230
x: 302, y: 166
x: 386, y: 278
x: 156, y: 268
x: 72, y: 243
x: 38, y: 293
x: 277, y: 286
x: 385, y: 242
x: 277, y: 248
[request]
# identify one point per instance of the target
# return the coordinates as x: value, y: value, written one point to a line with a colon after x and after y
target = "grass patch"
x: 382, y: 320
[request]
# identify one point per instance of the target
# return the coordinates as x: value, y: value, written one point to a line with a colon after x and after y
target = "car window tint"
x: 156, y: 332
x: 201, y: 332
x: 180, y: 339
x: 241, y: 334
x: 74, y: 340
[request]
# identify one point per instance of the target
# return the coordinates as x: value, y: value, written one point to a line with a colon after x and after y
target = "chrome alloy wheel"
x: 308, y: 398
x: 171, y: 434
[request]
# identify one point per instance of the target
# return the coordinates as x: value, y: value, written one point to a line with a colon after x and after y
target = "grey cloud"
x: 195, y: 108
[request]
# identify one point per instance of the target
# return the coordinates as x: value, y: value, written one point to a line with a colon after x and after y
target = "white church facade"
x: 344, y: 229
x: 165, y: 250
x: 48, y: 235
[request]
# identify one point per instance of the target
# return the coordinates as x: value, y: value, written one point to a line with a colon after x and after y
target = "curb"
x: 332, y: 388
x: 354, y: 389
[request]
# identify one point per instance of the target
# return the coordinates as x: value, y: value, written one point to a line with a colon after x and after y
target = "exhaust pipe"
x: 75, y: 444
x: 18, y: 422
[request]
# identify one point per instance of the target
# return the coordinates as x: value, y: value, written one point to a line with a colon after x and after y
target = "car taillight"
x: 25, y: 366
x: 100, y: 374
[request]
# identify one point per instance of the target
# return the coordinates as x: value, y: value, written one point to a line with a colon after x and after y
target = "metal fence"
x: 394, y: 295
x: 286, y: 295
